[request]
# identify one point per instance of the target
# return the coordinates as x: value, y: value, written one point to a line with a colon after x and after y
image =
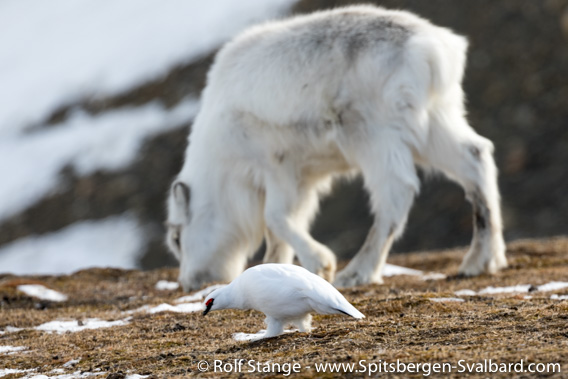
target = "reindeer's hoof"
x: 478, y: 268
x: 325, y: 266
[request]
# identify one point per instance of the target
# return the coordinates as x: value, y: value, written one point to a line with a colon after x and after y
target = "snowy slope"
x: 59, y: 51
x: 113, y: 242
x: 109, y: 141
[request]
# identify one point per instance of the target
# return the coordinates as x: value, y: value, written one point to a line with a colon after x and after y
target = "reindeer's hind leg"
x: 390, y: 177
x: 464, y: 156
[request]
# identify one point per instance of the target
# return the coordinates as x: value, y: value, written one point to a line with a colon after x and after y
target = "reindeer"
x: 291, y: 105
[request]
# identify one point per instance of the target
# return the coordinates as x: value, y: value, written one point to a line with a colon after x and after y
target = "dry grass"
x: 402, y: 322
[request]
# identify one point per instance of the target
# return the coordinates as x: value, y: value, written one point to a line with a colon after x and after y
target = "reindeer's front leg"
x: 277, y: 251
x: 284, y: 199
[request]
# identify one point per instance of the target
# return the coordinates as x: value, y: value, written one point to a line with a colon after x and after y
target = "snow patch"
x: 520, y: 288
x: 180, y: 308
x: 465, y: 292
x: 115, y: 242
x: 61, y: 327
x: 66, y: 51
x: 71, y: 363
x: 392, y: 270
x: 10, y: 329
x: 74, y: 375
x: 164, y: 285
x: 109, y: 141
x: 11, y: 349
x: 42, y: 292
x: 186, y: 304
x: 446, y: 300
x: 434, y: 276
x: 253, y: 336
x: 559, y: 297
x: 552, y: 286
x: 12, y: 371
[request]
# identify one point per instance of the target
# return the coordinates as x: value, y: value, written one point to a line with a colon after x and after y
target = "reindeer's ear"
x: 181, y: 194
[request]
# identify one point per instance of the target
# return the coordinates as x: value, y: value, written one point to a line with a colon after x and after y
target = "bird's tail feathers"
x: 351, y: 311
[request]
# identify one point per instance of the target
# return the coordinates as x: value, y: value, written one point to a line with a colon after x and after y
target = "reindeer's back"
x: 300, y: 70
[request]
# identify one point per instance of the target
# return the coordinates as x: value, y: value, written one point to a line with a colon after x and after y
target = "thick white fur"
x: 290, y: 105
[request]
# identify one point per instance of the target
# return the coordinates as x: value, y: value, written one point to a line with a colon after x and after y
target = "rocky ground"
x: 405, y: 321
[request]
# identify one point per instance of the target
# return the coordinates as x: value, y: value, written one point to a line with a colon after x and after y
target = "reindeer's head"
x: 194, y: 239
x: 179, y: 238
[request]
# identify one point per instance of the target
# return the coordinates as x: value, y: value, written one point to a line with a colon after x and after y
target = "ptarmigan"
x: 285, y: 293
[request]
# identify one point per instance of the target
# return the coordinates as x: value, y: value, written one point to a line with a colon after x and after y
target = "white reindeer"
x: 289, y: 106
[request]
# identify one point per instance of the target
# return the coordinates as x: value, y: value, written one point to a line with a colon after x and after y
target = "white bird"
x: 285, y: 293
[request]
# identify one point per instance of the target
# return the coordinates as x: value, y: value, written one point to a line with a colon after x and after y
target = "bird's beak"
x: 207, y: 309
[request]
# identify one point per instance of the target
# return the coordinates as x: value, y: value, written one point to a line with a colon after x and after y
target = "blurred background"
x: 97, y: 99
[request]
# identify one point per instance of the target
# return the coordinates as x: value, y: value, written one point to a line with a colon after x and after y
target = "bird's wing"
x: 272, y: 289
x: 326, y: 299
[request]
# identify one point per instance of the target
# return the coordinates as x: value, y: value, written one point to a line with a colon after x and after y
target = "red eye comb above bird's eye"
x: 209, y: 302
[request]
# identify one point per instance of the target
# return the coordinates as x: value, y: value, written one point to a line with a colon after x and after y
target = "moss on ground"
x: 402, y: 322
